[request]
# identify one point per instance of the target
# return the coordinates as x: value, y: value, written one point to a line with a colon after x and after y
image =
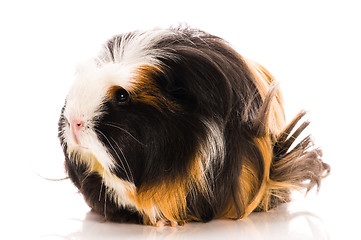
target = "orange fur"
x: 148, y: 92
x: 276, y: 120
x: 167, y: 200
x: 257, y: 193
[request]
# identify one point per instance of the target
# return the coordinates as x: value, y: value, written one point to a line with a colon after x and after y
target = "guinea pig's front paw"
x: 163, y: 223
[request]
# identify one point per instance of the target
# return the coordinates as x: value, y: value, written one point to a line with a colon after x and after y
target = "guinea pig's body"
x: 171, y: 126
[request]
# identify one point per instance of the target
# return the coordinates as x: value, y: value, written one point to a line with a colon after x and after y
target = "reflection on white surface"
x: 280, y: 224
x: 258, y: 226
x: 64, y: 215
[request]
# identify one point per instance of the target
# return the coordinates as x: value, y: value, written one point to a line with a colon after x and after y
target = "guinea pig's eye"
x: 121, y: 96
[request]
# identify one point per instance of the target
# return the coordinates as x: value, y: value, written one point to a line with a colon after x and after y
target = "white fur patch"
x: 117, y: 189
x: 212, y: 151
x: 93, y: 80
x: 86, y: 97
x: 213, y: 148
x: 137, y: 47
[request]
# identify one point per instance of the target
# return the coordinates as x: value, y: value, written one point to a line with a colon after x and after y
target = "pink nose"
x: 77, y: 125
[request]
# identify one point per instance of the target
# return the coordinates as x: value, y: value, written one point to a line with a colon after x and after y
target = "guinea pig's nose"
x: 77, y: 124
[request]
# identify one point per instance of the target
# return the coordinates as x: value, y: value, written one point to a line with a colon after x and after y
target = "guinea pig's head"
x: 153, y: 106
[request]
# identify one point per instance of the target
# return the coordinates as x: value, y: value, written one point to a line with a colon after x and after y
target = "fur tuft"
x: 299, y: 168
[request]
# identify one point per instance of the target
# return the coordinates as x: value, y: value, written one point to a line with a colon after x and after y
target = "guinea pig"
x: 169, y: 126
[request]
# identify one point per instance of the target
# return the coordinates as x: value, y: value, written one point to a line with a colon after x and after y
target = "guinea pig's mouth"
x: 82, y: 147
x: 75, y: 144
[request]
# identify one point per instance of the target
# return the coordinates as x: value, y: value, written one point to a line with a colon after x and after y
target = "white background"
x: 311, y: 47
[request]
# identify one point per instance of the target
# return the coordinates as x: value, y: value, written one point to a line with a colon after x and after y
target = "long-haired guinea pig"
x: 172, y: 125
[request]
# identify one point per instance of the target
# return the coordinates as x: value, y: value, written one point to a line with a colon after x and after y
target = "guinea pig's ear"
x: 177, y: 91
x: 174, y: 88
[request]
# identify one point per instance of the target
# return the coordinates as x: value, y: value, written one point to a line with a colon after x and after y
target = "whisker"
x: 86, y: 176
x: 105, y: 206
x: 122, y: 129
x: 101, y: 188
x: 125, y: 159
x: 111, y: 145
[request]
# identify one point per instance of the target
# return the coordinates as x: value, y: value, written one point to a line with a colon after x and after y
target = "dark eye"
x: 121, y: 96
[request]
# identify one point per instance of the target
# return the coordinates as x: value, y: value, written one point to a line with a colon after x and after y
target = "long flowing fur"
x: 202, y: 135
x: 297, y: 168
